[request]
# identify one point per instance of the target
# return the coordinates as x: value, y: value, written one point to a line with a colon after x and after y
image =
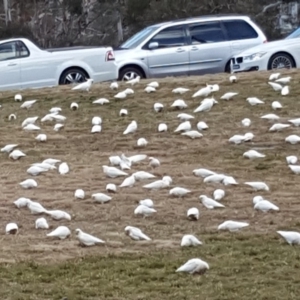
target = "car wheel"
x: 281, y: 61
x: 227, y: 67
x: 72, y: 76
x: 130, y: 73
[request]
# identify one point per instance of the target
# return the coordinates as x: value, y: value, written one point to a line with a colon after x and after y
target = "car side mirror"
x: 153, y: 45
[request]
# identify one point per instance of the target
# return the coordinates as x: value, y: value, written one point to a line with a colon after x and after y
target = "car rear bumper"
x: 109, y: 72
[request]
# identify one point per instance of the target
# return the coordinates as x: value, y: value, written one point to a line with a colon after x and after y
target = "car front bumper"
x: 239, y: 65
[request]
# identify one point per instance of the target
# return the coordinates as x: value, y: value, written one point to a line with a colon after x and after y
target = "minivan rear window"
x: 239, y: 30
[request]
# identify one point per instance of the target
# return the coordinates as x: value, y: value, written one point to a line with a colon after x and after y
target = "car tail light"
x: 109, y: 55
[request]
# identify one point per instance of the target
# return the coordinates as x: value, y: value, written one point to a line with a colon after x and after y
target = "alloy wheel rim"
x: 281, y: 62
x: 129, y: 75
x: 74, y: 77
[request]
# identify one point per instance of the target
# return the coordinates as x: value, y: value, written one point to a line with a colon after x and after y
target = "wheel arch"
x: 70, y: 68
x: 132, y: 65
x: 282, y: 52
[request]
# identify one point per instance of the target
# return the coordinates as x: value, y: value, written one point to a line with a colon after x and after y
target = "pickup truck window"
x: 13, y: 50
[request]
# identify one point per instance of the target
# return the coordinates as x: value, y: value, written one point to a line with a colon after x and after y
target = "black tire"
x: 227, y: 67
x: 74, y: 75
x: 282, y: 60
x: 129, y: 73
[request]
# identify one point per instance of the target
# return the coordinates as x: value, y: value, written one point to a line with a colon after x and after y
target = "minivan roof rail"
x: 208, y: 17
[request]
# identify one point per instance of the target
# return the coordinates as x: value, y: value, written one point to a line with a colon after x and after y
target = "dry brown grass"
x: 86, y: 153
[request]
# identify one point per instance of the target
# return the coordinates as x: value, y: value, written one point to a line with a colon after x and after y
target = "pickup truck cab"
x: 24, y: 65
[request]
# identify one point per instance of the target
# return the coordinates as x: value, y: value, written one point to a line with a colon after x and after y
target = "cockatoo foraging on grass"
x: 85, y: 86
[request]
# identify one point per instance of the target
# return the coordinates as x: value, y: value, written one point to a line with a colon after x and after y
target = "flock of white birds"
x: 119, y: 166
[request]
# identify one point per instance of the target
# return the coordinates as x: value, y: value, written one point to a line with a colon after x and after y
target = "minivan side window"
x: 170, y: 37
x: 138, y: 38
x: 239, y: 30
x: 208, y: 32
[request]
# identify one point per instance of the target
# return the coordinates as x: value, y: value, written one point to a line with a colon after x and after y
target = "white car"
x: 272, y: 55
x: 24, y: 65
x: 193, y: 46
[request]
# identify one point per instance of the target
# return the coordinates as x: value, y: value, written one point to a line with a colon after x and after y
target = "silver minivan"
x: 193, y: 46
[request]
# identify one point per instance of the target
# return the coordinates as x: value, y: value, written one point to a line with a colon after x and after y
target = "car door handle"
x: 180, y: 50
x: 12, y: 64
x: 194, y: 48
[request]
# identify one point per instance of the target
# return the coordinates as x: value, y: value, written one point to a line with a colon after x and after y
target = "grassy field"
x: 254, y: 263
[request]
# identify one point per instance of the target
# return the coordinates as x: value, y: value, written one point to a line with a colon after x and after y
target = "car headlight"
x: 254, y: 56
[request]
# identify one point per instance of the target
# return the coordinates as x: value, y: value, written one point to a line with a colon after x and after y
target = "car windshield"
x: 294, y: 34
x: 135, y: 40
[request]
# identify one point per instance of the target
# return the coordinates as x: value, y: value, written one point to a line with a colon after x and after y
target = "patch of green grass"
x: 242, y: 266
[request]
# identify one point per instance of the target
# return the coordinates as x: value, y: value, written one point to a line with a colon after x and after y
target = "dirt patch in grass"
x: 253, y: 263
